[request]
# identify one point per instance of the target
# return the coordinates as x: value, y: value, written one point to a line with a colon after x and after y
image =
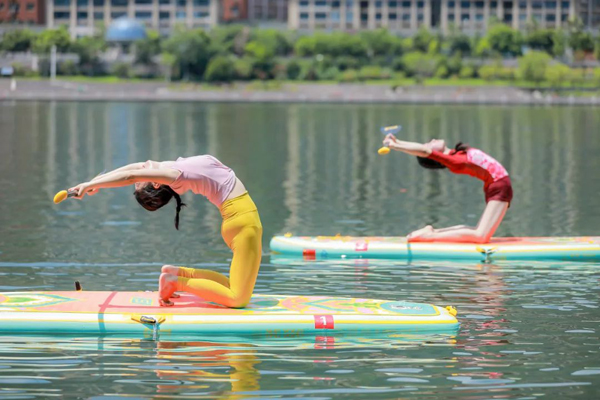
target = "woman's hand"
x: 82, y: 189
x: 389, y: 141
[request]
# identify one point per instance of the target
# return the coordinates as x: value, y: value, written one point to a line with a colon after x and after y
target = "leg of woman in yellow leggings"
x: 242, y: 231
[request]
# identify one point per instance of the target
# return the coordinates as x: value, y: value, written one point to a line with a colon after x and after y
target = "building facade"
x: 22, y: 11
x: 407, y: 16
x: 399, y: 16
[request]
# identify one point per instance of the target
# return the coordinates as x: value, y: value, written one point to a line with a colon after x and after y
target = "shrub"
x: 346, y: 62
x: 349, y: 75
x: 67, y: 67
x: 329, y: 74
x: 243, y: 68
x: 466, y: 72
x: 557, y: 74
x: 121, y: 69
x: 488, y: 72
x: 420, y: 64
x: 293, y: 69
x: 220, y: 69
x: 532, y: 66
x: 398, y: 64
x: 441, y: 72
x: 370, y: 72
x: 596, y: 76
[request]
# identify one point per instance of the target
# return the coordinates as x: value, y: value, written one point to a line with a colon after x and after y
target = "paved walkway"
x: 63, y: 90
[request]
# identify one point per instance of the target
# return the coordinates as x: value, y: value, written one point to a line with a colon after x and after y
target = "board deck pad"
x: 133, y: 312
x: 583, y: 248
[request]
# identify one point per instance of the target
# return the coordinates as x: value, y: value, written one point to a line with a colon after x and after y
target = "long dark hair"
x: 152, y: 198
x: 432, y: 164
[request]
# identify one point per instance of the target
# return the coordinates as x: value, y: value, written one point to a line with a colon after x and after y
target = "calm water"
x: 529, y: 330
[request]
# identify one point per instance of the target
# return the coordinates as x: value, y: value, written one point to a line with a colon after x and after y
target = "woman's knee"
x: 169, y: 269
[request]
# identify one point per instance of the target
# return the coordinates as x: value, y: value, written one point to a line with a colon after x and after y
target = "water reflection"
x: 313, y: 169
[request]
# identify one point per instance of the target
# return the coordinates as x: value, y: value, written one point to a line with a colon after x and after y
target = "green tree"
x: 557, y: 74
x: 459, y: 43
x: 228, y: 39
x: 540, y: 39
x: 422, y: 39
x: 220, y: 69
x: 559, y: 42
x: 147, y: 48
x: 420, y: 65
x: 52, y: 37
x: 532, y: 66
x: 191, y: 49
x: 380, y: 42
x: 579, y: 39
x: 89, y: 48
x: 504, y: 40
x: 18, y: 40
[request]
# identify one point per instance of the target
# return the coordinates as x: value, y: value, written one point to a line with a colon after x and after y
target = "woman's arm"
x: 412, y: 148
x: 125, y: 178
x: 129, y: 167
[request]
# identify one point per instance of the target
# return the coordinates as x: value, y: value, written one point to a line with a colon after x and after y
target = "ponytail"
x: 180, y: 205
x: 460, y: 146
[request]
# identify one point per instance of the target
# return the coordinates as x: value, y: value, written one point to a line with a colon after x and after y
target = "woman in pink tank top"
x: 156, y: 183
x: 462, y: 160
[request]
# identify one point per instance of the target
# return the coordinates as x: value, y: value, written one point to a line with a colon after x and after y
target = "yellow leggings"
x: 242, y: 231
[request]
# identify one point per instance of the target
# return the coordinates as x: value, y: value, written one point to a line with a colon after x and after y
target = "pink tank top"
x: 204, y: 175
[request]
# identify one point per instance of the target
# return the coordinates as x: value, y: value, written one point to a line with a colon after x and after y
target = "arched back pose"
x: 157, y: 182
x: 462, y: 160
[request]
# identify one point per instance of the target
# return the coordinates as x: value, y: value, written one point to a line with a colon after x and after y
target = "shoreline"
x: 153, y: 91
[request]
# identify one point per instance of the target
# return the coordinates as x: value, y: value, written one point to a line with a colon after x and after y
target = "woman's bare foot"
x: 167, y: 285
x: 419, y: 233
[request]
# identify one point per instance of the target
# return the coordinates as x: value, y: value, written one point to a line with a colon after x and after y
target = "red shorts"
x: 500, y: 190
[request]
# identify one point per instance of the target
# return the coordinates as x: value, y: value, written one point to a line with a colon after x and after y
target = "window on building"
x: 30, y: 6
x: 118, y: 14
x: 478, y: 17
x: 405, y: 17
x: 420, y: 4
x: 564, y: 4
x: 465, y: 4
x: 164, y: 15
x: 364, y: 17
x: 303, y: 3
x: 335, y: 4
x: 406, y: 4
x: 164, y: 1
x: 450, y: 17
x: 320, y: 16
x: 564, y: 17
x: 143, y: 15
x: 141, y: 2
x: 522, y: 17
x: 378, y: 4
x: 303, y: 15
x: 551, y: 17
x: 82, y: 2
x: 320, y: 3
x: 537, y: 17
x: 62, y: 3
x: 181, y: 3
x: 420, y: 17
x: 202, y: 3
x: 551, y: 4
x: 536, y: 4
x: 118, y: 3
x: 479, y: 4
x: 335, y: 16
x: 349, y: 16
x: 180, y: 15
x: 82, y: 15
x: 494, y: 4
x: 200, y: 14
x: 523, y: 4
x: 378, y: 16
x: 451, y: 4
x: 465, y: 17
x: 392, y: 4
x: 98, y: 3
x: 62, y: 15
x: 98, y: 16
x: 393, y: 16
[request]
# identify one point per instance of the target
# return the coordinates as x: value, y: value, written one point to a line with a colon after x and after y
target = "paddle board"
x: 512, y: 248
x: 139, y: 312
